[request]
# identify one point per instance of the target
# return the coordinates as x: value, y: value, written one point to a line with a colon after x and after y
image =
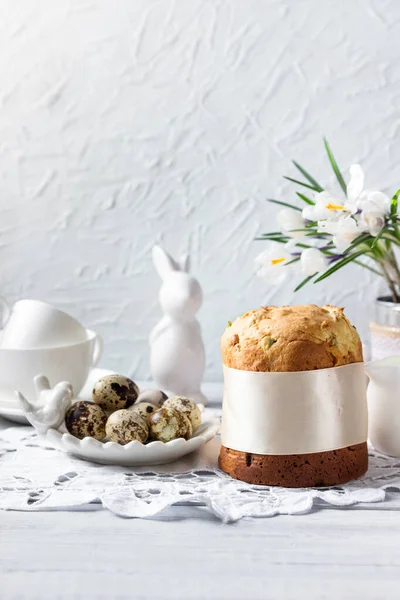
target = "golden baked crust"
x: 291, y: 338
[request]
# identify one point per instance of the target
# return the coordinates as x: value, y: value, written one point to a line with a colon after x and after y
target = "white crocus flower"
x: 271, y: 264
x: 325, y: 207
x: 344, y: 231
x: 289, y: 220
x: 291, y: 244
x: 312, y: 261
x: 362, y: 211
x: 374, y: 206
x: 374, y: 210
x: 354, y: 188
x: 369, y: 207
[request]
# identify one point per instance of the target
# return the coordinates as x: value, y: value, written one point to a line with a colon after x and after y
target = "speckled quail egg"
x: 144, y: 409
x: 168, y: 424
x: 188, y: 407
x: 156, y: 397
x: 113, y: 392
x: 125, y: 426
x: 85, y: 419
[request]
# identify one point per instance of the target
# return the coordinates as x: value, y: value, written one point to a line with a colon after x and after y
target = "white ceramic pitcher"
x: 384, y: 404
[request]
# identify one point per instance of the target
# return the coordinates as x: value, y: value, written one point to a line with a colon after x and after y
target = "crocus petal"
x: 271, y: 264
x: 290, y: 220
x: 346, y: 235
x: 374, y: 221
x: 351, y: 206
x: 312, y: 261
x: 356, y: 183
x: 328, y: 207
x: 261, y: 259
x: 320, y: 210
x: 347, y: 225
x: 344, y: 231
x: 326, y: 226
x: 376, y: 201
x: 308, y: 213
x: 291, y: 244
x: 341, y: 242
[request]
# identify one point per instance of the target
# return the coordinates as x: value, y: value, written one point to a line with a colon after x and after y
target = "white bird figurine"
x: 48, y: 412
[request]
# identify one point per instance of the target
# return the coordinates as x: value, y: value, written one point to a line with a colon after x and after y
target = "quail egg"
x: 113, y: 392
x: 125, y: 426
x: 156, y: 397
x: 169, y: 424
x: 85, y: 419
x: 187, y: 407
x: 144, y: 409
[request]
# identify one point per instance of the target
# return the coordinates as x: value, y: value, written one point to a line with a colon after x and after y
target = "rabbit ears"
x: 165, y: 264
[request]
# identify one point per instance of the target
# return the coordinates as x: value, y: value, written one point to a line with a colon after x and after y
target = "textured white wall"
x: 129, y: 122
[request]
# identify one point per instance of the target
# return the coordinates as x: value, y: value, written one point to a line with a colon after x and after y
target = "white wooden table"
x: 328, y: 554
x: 338, y: 554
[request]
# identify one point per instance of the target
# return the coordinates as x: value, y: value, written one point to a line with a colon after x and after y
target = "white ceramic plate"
x: 10, y: 410
x: 12, y: 413
x: 133, y: 454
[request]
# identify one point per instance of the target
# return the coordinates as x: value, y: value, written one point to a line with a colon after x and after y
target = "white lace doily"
x: 36, y: 478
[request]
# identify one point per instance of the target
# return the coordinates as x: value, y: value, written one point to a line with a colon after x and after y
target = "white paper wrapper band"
x: 294, y: 413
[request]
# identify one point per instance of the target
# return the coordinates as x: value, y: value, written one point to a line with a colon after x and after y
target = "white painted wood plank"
x: 327, y: 554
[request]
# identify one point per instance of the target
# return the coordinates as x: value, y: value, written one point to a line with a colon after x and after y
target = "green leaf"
x: 281, y: 235
x: 292, y: 261
x: 284, y: 204
x: 392, y: 239
x: 309, y: 229
x: 274, y: 233
x: 309, y: 178
x: 322, y: 235
x: 301, y: 245
x: 306, y: 280
x: 334, y: 166
x: 272, y: 239
x: 393, y: 215
x: 394, y: 203
x: 305, y: 199
x: 310, y: 187
x: 361, y: 239
x: 339, y: 265
x: 378, y: 237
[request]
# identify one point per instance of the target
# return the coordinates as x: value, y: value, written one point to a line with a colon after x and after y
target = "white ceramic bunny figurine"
x: 176, y: 345
x: 48, y: 412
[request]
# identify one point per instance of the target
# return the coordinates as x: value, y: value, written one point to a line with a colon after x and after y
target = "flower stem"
x: 390, y: 282
x: 395, y: 266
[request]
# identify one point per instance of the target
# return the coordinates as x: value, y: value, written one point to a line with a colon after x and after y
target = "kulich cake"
x: 291, y: 338
x: 288, y: 343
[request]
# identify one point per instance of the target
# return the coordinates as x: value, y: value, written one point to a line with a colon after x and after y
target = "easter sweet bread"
x: 290, y: 339
x: 318, y: 469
